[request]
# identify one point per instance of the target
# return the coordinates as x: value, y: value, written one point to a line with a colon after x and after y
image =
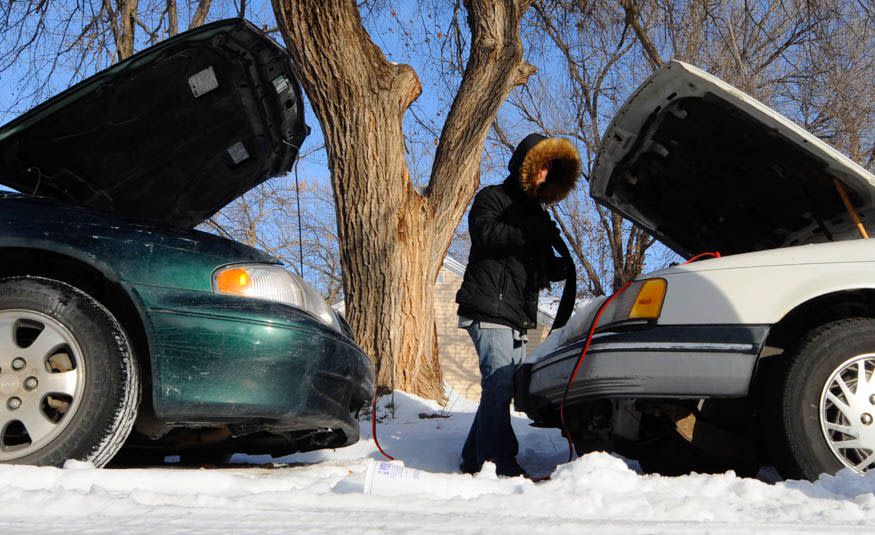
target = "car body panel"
x: 703, y: 167
x: 170, y: 135
x: 125, y: 250
x: 763, y: 287
x: 221, y: 359
x: 214, y: 358
x: 687, y: 361
x: 712, y: 302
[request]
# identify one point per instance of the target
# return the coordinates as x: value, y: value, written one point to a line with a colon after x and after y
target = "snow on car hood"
x: 169, y: 135
x: 702, y: 166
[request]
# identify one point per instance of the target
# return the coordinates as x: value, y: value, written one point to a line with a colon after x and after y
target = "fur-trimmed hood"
x: 536, y: 151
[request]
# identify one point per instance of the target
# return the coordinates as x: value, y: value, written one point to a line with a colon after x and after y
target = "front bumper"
x: 256, y: 365
x: 655, y: 362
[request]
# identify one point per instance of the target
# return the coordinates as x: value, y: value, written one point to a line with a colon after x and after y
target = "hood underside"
x: 704, y: 167
x: 170, y: 135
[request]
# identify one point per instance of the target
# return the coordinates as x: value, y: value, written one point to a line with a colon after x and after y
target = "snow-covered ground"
x: 322, y: 492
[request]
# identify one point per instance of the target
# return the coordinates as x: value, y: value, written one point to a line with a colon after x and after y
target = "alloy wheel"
x: 847, y: 411
x: 42, y: 378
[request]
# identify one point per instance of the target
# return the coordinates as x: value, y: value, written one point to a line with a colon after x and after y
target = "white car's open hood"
x: 704, y: 167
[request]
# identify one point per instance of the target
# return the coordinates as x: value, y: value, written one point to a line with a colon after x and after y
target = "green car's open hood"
x: 704, y: 167
x: 171, y: 134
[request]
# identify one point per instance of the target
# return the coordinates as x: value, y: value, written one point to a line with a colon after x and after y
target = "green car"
x: 121, y: 325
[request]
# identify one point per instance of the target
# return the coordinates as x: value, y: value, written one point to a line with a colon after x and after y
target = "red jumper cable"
x: 374, y: 428
x: 592, y: 329
x: 714, y: 254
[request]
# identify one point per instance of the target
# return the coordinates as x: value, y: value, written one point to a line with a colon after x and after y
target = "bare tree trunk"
x: 393, y: 239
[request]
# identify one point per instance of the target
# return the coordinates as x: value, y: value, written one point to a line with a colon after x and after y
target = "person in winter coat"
x: 512, y: 258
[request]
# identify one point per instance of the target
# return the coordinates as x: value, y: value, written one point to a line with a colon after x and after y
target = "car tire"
x: 808, y: 419
x: 69, y: 382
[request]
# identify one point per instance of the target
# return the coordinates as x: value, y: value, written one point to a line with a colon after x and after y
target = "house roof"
x: 546, y: 312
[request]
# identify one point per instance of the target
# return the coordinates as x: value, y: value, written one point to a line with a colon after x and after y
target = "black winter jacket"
x: 512, y: 238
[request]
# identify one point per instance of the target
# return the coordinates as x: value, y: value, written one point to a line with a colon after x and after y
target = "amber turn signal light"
x: 648, y: 304
x: 233, y: 281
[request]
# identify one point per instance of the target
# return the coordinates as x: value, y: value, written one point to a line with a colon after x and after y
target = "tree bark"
x: 392, y: 239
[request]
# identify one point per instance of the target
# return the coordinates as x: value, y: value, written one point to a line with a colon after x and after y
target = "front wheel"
x: 827, y: 404
x: 69, y: 383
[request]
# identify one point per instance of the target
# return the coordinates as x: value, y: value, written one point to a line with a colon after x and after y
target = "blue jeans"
x: 491, y: 436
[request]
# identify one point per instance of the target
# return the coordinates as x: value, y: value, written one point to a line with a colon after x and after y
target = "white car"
x: 765, y: 355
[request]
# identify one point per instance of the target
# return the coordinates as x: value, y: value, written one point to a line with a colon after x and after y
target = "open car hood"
x: 704, y: 167
x: 170, y: 135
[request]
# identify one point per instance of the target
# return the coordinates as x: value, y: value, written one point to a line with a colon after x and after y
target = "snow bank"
x: 322, y: 491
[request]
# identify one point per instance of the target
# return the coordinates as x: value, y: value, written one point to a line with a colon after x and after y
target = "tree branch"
x: 200, y: 14
x: 172, y: 18
x: 650, y: 50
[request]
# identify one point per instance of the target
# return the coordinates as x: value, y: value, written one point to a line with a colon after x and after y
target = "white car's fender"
x: 762, y: 288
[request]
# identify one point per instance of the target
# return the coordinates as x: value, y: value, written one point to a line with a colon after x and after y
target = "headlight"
x: 273, y: 283
x: 642, y: 300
